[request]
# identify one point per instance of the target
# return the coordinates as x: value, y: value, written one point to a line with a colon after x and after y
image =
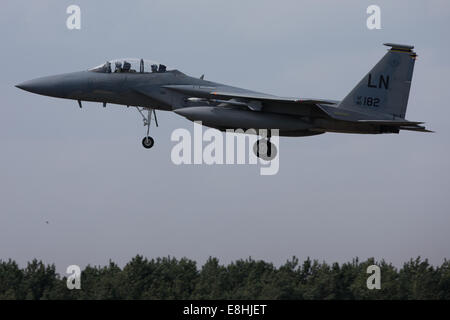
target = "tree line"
x: 171, y: 278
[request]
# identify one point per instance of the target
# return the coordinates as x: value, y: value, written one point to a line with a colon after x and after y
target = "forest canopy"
x: 171, y: 278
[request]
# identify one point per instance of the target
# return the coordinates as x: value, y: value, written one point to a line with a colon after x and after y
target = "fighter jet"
x: 376, y: 105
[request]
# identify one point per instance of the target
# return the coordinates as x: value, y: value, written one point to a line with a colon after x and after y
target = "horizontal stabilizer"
x: 418, y: 128
x: 394, y: 123
x: 402, y: 125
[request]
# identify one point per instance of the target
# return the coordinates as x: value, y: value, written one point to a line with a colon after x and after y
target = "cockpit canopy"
x: 130, y: 65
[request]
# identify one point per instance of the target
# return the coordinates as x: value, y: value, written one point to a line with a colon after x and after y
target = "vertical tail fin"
x: 385, y: 89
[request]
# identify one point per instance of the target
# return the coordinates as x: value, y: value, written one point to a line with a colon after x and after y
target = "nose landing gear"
x: 148, y: 141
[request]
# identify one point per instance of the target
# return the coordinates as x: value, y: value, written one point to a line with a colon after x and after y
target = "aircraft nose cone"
x: 45, y: 86
x: 55, y: 86
x: 27, y: 86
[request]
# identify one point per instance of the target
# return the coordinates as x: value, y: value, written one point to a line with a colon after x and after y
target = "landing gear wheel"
x: 264, y: 149
x: 148, y: 142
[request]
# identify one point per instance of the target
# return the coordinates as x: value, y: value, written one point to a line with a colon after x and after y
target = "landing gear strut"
x: 264, y: 149
x: 148, y: 141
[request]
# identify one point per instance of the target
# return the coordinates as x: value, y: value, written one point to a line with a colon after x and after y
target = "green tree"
x: 38, y: 280
x: 212, y: 281
x: 11, y: 278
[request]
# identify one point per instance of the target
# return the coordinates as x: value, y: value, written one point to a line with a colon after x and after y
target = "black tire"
x: 269, y: 150
x: 148, y: 142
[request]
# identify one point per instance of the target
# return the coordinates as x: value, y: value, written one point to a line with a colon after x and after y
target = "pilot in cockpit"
x: 126, y: 66
x: 162, y: 68
x: 118, y: 67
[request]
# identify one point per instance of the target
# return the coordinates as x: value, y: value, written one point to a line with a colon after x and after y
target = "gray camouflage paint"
x: 376, y: 105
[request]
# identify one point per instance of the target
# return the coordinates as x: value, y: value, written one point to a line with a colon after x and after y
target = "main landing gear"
x: 148, y: 141
x: 264, y: 149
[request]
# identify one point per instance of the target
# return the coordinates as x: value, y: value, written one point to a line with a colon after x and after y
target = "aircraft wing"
x: 213, y: 92
x: 253, y: 96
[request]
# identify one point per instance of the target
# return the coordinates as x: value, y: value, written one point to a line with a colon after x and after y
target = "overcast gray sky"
x: 335, y: 197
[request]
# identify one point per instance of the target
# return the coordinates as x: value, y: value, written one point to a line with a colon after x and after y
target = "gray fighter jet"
x: 376, y: 105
